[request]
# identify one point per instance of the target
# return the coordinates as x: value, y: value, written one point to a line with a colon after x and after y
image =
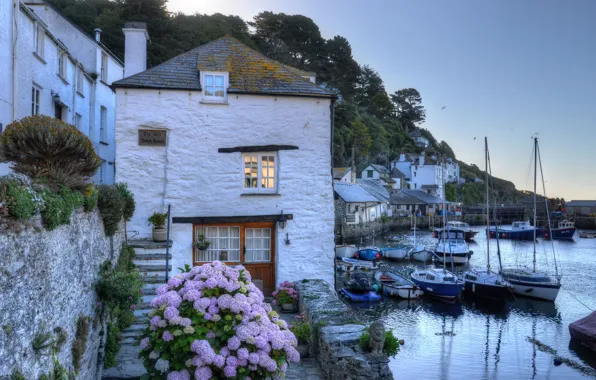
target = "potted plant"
x: 202, y: 244
x: 286, y: 297
x: 301, y: 330
x: 158, y: 220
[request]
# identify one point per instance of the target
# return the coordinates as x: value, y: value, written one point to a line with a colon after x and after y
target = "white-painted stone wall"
x: 43, y: 73
x: 375, y: 173
x: 196, y: 180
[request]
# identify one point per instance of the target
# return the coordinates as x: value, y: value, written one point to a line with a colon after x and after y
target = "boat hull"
x: 408, y: 292
x: 368, y: 254
x: 487, y: 291
x: 342, y: 251
x: 369, y: 296
x: 458, y: 259
x: 515, y: 235
x: 444, y: 291
x: 562, y: 233
x: 547, y: 292
x: 394, y: 254
x: 422, y: 256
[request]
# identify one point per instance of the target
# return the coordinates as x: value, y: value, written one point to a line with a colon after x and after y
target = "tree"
x: 337, y: 67
x: 408, y: 106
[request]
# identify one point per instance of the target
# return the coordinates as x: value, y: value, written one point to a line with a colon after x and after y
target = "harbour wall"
x: 336, y: 333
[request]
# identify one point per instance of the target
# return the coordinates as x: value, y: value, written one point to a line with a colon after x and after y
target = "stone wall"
x: 47, y: 280
x: 336, y: 335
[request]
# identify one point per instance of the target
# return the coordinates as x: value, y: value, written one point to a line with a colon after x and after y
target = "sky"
x: 504, y: 69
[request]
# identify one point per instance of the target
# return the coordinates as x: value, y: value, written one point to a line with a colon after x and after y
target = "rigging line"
x: 492, y: 182
x: 577, y: 299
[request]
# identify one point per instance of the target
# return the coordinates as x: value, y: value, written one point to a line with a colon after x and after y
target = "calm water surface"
x: 471, y: 340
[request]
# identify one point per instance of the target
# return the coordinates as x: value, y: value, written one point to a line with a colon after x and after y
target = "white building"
x: 374, y: 171
x: 231, y: 140
x: 357, y: 205
x: 344, y: 174
x: 425, y: 173
x: 419, y: 139
x: 50, y: 67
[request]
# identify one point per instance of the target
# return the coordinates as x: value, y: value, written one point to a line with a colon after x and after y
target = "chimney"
x: 135, y: 47
x: 421, y: 159
x: 402, y: 156
x: 97, y: 34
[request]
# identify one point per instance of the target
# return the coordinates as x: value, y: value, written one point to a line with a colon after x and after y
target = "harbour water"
x: 471, y: 340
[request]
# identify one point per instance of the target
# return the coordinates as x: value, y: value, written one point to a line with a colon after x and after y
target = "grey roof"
x: 429, y: 186
x: 338, y: 173
x: 420, y: 197
x: 580, y: 204
x: 374, y: 188
x: 416, y: 133
x: 250, y: 72
x: 398, y: 173
x: 353, y: 193
x: 380, y: 168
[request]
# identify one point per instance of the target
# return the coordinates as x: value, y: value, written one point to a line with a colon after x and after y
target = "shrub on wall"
x: 212, y: 322
x: 79, y: 345
x: 128, y: 199
x: 111, y: 205
x: 90, y: 198
x: 49, y: 149
x: 19, y: 197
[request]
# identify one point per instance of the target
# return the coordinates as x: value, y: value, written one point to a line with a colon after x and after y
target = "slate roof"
x: 374, y: 188
x: 338, y: 173
x: 398, y: 173
x: 250, y: 72
x: 416, y: 133
x: 429, y: 186
x: 380, y: 168
x: 580, y: 204
x: 353, y: 193
x: 405, y: 196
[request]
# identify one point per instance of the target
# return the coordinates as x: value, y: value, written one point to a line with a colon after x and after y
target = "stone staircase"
x: 150, y: 258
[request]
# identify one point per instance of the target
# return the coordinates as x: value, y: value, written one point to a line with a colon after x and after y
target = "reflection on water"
x: 479, y: 340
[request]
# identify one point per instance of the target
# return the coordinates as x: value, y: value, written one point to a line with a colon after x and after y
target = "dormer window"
x: 215, y: 85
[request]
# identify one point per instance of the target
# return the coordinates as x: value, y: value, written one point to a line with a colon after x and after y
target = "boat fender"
x: 557, y: 362
x: 376, y: 288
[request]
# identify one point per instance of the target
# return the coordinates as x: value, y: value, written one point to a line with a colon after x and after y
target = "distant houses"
x: 425, y: 173
x: 419, y: 139
x: 584, y: 208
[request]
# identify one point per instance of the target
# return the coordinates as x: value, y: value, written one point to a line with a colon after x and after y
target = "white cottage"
x: 231, y: 140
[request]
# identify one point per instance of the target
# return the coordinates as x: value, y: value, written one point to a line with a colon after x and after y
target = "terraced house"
x: 240, y: 146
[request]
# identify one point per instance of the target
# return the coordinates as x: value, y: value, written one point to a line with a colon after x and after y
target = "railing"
x: 168, y: 244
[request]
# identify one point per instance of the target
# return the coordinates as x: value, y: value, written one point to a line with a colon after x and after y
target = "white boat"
x: 394, y: 253
x: 396, y: 285
x: 355, y: 263
x: 452, y: 247
x: 345, y: 250
x: 420, y: 254
x: 530, y: 282
x: 457, y: 225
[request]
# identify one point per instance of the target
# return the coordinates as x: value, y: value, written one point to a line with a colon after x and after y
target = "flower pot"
x: 203, y: 246
x: 289, y: 308
x: 303, y: 349
x: 160, y: 234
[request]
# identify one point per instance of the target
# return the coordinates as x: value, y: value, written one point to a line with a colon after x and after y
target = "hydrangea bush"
x: 212, y: 323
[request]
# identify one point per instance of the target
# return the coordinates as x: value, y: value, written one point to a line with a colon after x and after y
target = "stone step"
x: 153, y: 268
x: 130, y: 340
x: 142, y: 320
x: 141, y: 313
x: 132, y: 333
x: 150, y: 289
x: 154, y: 278
x: 160, y: 257
x: 144, y: 306
x: 147, y: 298
x: 148, y: 244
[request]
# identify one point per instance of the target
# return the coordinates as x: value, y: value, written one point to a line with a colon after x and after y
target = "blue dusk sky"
x: 503, y: 69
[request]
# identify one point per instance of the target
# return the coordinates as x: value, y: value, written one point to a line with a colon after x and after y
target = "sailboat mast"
x: 445, y: 228
x: 535, y: 174
x: 487, y: 204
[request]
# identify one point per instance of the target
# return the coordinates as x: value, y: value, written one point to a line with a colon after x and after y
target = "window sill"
x: 214, y: 102
x: 260, y: 195
x: 40, y: 58
x: 63, y: 79
x: 103, y: 142
x: 80, y: 94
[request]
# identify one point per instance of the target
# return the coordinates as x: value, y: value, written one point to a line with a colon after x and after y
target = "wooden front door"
x: 250, y: 244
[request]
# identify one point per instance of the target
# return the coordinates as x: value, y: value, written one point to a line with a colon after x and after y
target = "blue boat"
x: 518, y: 231
x: 368, y: 296
x: 564, y: 231
x: 368, y: 253
x: 438, y: 283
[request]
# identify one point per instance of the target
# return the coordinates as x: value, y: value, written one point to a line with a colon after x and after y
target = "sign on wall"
x: 152, y: 137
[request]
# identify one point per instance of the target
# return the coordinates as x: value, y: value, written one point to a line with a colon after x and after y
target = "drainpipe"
x: 15, y: 34
x: 168, y: 244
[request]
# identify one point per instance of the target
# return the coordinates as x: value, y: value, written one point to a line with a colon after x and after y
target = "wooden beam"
x: 229, y: 219
x: 257, y: 148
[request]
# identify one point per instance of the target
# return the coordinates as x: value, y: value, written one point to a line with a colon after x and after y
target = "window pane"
x: 219, y: 80
x: 251, y: 167
x: 219, y: 91
x: 208, y: 80
x: 258, y: 245
x: 209, y: 91
x: 225, y: 244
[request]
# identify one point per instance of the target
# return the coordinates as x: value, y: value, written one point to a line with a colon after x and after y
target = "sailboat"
x: 530, y: 282
x: 484, y: 283
x: 439, y: 282
x: 418, y: 252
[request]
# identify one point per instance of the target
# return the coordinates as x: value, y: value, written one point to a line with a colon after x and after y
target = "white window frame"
x: 259, y: 189
x: 78, y: 121
x: 103, y: 124
x: 39, y: 41
x: 104, y: 67
x: 62, y: 59
x: 80, y: 80
x: 204, y: 86
x: 35, y: 100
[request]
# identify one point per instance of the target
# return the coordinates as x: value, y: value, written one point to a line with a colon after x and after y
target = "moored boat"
x: 368, y: 253
x: 369, y: 296
x: 438, y: 283
x: 452, y: 247
x: 587, y: 235
x: 584, y: 331
x: 520, y: 230
x: 345, y: 250
x: 359, y: 289
x: 396, y: 285
x: 454, y: 224
x: 355, y: 263
x: 394, y: 253
x: 420, y: 254
x: 564, y: 231
x: 530, y: 283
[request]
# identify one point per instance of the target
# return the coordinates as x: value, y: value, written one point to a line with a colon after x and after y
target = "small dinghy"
x: 359, y: 289
x: 362, y: 264
x: 345, y: 250
x: 370, y: 296
x: 584, y: 331
x: 396, y: 285
x: 420, y: 254
x: 394, y: 253
x: 368, y: 253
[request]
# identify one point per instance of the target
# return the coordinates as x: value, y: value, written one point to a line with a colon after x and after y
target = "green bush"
x: 390, y: 347
x: 52, y: 214
x: 112, y: 346
x: 127, y: 255
x: 129, y: 201
x: 111, y: 206
x: 90, y: 198
x: 79, y: 345
x: 20, y: 199
x: 42, y: 147
x: 302, y: 331
x: 119, y: 288
x: 57, y: 373
x: 41, y: 341
x: 60, y: 338
x: 158, y: 220
x: 17, y: 375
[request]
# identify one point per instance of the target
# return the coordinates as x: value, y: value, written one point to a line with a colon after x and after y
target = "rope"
x: 577, y: 299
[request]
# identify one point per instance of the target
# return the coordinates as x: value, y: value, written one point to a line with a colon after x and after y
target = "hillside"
x: 370, y: 124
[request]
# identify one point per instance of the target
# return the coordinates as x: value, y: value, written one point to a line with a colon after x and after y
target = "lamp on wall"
x: 282, y: 220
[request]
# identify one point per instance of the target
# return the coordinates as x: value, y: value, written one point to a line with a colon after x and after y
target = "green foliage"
x: 7, y: 329
x: 129, y: 201
x: 90, y: 198
x: 49, y: 149
x: 451, y: 192
x: 112, y: 346
x: 158, y: 219
x: 384, y: 218
x: 59, y: 206
x: 125, y: 260
x: 20, y: 198
x: 79, y: 345
x: 57, y: 373
x: 41, y: 341
x: 60, y: 338
x: 111, y: 206
x: 187, y: 268
x: 408, y: 106
x: 17, y: 375
x: 302, y: 331
x: 390, y: 347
